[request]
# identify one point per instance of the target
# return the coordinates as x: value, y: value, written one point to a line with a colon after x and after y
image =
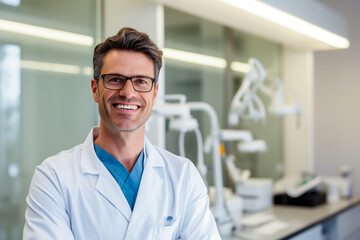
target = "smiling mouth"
x: 129, y: 107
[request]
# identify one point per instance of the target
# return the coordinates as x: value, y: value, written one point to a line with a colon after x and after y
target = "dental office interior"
x: 265, y: 94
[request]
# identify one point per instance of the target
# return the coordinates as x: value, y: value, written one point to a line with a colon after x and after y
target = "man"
x: 116, y: 185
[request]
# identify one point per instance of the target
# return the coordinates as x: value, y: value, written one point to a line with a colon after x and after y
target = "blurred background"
x: 46, y: 104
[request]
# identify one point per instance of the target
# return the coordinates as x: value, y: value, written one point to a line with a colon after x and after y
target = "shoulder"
x: 73, y: 160
x: 172, y: 160
x: 59, y: 174
x: 63, y: 160
x: 169, y: 155
x: 178, y: 168
x: 62, y: 170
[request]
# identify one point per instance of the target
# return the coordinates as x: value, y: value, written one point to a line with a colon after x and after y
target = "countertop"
x: 292, y: 220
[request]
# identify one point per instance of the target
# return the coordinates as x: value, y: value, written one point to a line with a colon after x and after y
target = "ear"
x: 95, y: 90
x: 155, y: 92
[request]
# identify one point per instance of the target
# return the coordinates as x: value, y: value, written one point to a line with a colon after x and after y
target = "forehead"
x: 129, y: 63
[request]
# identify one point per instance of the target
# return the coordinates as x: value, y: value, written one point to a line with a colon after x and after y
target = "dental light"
x: 245, y: 103
x: 278, y: 105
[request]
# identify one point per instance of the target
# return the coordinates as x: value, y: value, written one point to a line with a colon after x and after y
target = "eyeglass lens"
x: 116, y: 82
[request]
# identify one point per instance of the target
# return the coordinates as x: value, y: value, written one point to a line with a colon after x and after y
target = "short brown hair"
x: 127, y: 39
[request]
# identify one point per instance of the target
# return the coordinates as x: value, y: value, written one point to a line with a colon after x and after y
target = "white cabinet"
x: 313, y: 233
x: 348, y: 224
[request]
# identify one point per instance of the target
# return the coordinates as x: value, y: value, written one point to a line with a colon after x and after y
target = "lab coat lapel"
x: 150, y: 199
x: 106, y: 184
x: 108, y: 187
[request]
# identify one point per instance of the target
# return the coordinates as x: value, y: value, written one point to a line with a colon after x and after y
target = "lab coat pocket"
x: 166, y: 232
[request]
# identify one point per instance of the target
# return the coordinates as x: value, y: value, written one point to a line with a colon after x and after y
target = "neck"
x: 124, y: 146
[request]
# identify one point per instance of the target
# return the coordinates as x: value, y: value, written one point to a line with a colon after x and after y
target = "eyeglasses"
x: 117, y: 82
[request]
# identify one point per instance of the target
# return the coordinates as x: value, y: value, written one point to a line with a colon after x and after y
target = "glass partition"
x: 198, y: 82
x: 46, y: 102
x: 210, y: 84
x: 10, y: 157
x: 269, y: 163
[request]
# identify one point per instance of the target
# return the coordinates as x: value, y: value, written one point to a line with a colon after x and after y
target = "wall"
x: 337, y: 99
x: 298, y: 131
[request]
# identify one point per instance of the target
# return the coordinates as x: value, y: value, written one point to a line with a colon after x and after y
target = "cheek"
x: 103, y: 96
x: 104, y: 99
x: 101, y: 102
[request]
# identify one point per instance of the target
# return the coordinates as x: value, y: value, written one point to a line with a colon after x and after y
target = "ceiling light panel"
x: 46, y: 33
x: 289, y: 21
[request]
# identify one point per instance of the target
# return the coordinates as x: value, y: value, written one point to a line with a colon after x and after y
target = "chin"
x: 127, y: 128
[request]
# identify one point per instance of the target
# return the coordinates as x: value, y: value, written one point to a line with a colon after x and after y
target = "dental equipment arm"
x: 246, y: 144
x: 278, y: 105
x: 235, y: 173
x: 245, y: 98
x: 172, y: 110
x: 200, y: 152
x: 245, y: 139
x: 182, y: 121
x: 220, y: 213
x: 247, y: 105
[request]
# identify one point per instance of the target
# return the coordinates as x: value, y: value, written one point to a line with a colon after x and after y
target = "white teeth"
x: 127, y: 106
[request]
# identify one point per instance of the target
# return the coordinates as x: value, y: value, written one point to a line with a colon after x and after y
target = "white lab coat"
x: 73, y: 196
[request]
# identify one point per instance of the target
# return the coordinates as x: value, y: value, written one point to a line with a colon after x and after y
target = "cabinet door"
x: 349, y: 224
x: 314, y: 233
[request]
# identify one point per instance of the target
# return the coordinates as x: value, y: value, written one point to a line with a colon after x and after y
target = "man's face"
x: 125, y: 110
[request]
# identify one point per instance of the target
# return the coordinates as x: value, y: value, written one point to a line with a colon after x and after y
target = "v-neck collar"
x: 128, y: 182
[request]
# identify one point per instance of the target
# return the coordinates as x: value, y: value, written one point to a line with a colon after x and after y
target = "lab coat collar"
x: 155, y: 159
x: 89, y: 162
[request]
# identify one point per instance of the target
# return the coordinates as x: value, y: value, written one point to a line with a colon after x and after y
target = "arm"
x: 199, y: 223
x: 46, y: 216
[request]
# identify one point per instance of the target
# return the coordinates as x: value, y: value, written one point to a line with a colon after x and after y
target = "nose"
x: 128, y: 90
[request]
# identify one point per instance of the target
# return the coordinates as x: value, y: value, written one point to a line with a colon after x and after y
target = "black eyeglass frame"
x: 126, y: 79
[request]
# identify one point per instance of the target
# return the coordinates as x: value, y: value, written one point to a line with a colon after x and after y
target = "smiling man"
x: 117, y: 185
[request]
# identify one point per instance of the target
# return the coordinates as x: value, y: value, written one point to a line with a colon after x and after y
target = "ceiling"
x: 227, y: 15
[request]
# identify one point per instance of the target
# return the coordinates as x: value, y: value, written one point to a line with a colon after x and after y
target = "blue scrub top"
x: 128, y: 182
